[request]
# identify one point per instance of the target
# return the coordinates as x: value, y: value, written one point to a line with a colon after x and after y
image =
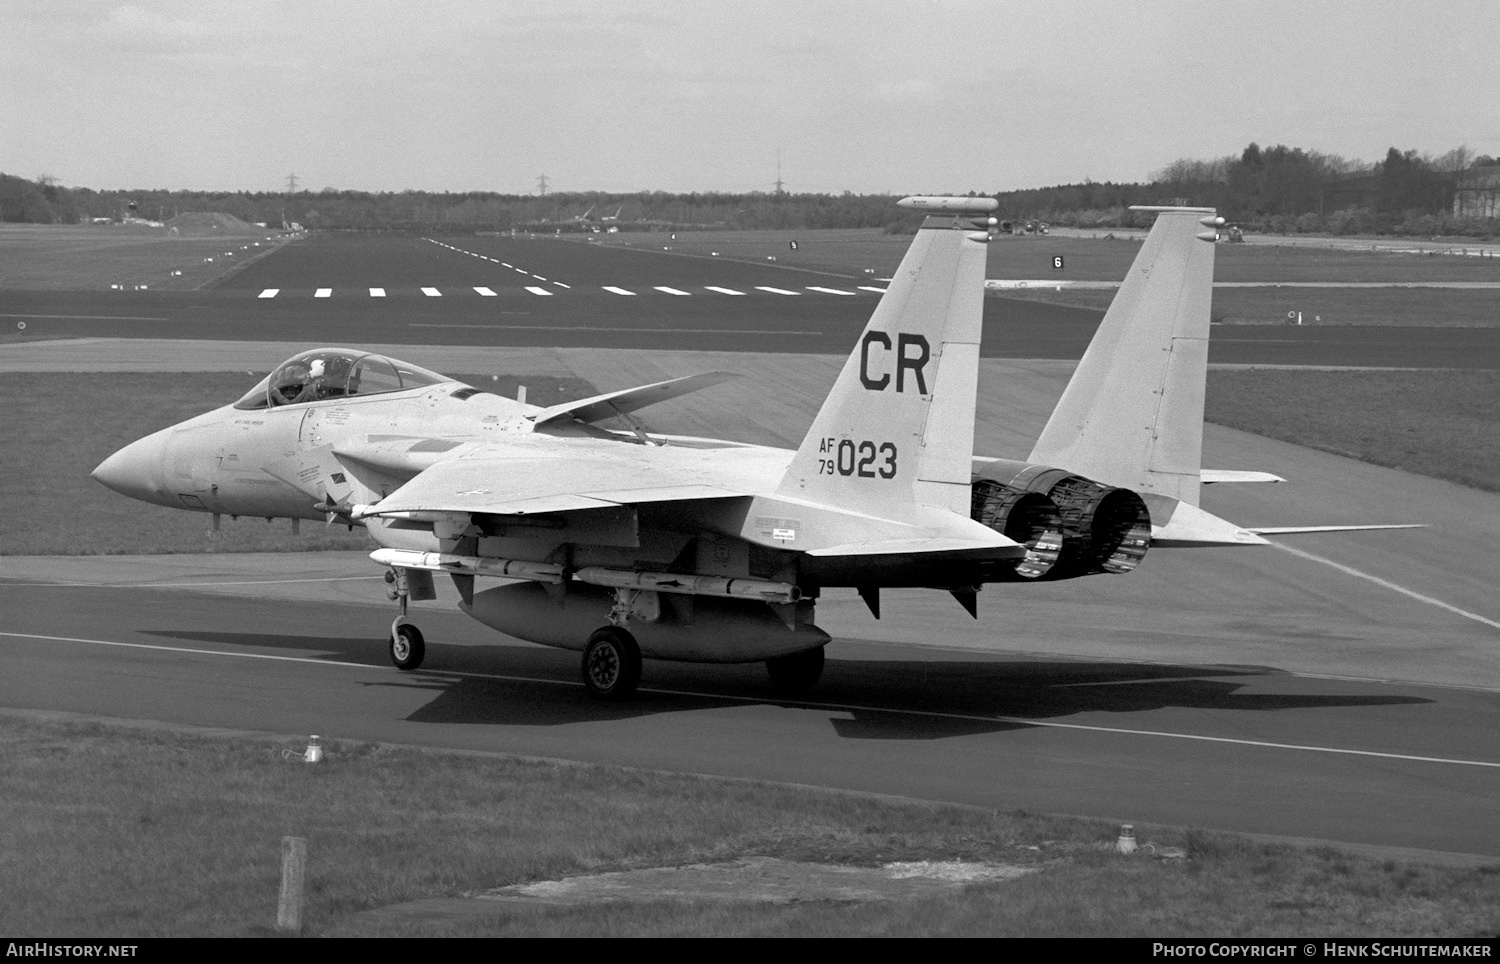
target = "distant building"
x: 1476, y: 194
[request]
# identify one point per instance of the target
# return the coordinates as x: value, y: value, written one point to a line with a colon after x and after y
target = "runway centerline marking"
x: 323, y: 293
x: 672, y: 291
x: 538, y: 291
x: 619, y: 291
x: 723, y: 291
x: 1387, y: 584
x: 776, y: 291
x: 269, y: 293
x: 830, y: 291
x: 487, y: 292
x: 377, y: 292
x: 432, y: 292
x: 802, y: 704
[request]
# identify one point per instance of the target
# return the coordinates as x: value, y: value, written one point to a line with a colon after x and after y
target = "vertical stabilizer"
x: 1132, y: 415
x: 897, y: 429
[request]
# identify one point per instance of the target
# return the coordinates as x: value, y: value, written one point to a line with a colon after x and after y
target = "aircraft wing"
x: 522, y: 486
x: 998, y: 547
x: 627, y: 400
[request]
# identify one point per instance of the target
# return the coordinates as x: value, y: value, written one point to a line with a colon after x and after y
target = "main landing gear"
x: 406, y: 642
x: 611, y: 664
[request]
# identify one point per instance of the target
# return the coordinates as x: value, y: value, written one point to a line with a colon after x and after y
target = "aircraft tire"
x: 796, y: 672
x: 407, y: 647
x: 611, y: 664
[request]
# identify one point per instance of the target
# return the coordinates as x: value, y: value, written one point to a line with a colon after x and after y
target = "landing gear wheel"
x: 611, y: 664
x: 407, y: 647
x: 796, y: 672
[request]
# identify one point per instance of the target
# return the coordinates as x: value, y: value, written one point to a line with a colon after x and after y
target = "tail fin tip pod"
x: 1132, y: 415
x: 897, y: 429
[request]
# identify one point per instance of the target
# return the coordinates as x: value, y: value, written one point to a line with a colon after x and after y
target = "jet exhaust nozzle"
x: 1072, y: 526
x: 1029, y: 518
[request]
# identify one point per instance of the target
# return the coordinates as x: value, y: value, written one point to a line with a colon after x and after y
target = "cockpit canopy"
x: 325, y: 373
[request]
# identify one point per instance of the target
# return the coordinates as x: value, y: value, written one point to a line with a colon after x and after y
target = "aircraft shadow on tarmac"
x: 867, y: 699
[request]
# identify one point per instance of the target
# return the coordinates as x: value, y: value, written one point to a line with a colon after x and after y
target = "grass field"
x: 135, y: 831
x: 93, y: 257
x: 1442, y: 424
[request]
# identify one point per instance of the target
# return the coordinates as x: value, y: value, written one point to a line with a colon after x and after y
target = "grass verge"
x: 94, y: 257
x: 131, y: 831
x: 1437, y: 423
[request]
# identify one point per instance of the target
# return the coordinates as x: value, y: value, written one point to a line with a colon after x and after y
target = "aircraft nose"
x: 137, y: 469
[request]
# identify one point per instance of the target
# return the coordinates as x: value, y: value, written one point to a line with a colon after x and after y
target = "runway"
x: 1343, y: 688
x: 484, y: 291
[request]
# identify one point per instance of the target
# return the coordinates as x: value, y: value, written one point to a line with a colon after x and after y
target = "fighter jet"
x: 624, y: 544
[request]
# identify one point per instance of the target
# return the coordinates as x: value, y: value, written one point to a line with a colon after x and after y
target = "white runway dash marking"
x: 538, y: 291
x: 432, y: 292
x: 776, y: 291
x: 872, y: 288
x: 488, y: 293
x: 377, y: 292
x: 561, y: 285
x: 830, y: 291
x: 672, y: 291
x: 1389, y: 585
x: 269, y: 293
x: 723, y: 291
x: 323, y: 293
x: 619, y: 291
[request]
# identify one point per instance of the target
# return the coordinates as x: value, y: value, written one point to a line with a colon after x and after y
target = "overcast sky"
x: 700, y: 95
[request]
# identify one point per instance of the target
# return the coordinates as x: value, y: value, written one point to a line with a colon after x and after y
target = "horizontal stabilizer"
x: 1210, y: 476
x: 601, y: 407
x: 1190, y: 527
x: 1299, y: 530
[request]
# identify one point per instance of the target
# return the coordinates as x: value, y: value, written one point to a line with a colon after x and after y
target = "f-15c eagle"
x: 625, y: 545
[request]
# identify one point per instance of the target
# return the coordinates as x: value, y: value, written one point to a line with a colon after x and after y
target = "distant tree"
x: 1406, y: 182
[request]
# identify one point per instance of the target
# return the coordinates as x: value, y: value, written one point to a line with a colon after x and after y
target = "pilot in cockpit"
x: 293, y: 384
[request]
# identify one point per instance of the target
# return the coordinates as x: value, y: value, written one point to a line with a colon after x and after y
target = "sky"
x: 873, y: 96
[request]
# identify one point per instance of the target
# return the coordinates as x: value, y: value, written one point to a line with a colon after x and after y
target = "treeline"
x: 1278, y: 189
x: 1287, y: 190
x: 330, y: 209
